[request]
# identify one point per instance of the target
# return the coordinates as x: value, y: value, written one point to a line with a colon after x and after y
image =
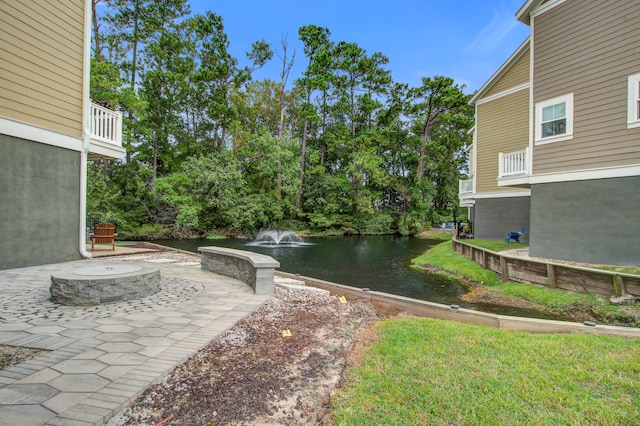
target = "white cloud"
x: 490, y: 38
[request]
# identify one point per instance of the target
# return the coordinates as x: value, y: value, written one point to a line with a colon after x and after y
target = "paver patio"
x: 100, y: 358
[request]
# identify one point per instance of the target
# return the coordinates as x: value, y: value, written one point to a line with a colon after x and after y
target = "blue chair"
x: 514, y: 236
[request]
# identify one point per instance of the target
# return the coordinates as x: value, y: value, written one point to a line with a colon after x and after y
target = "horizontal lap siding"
x: 41, y: 63
x: 517, y: 75
x: 588, y: 48
x: 502, y: 126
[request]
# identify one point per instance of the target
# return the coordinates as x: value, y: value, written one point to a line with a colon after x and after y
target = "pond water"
x: 381, y: 263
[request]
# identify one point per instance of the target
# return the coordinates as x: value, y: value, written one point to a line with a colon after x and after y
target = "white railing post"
x: 466, y: 186
x: 513, y: 163
x: 106, y: 125
x: 118, y: 133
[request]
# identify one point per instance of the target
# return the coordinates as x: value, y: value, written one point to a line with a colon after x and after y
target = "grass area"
x: 432, y: 235
x: 216, y: 237
x: 427, y: 371
x: 447, y: 261
x: 623, y: 269
x: 494, y: 245
x: 579, y: 306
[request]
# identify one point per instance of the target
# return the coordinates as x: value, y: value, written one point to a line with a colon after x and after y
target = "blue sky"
x: 467, y: 40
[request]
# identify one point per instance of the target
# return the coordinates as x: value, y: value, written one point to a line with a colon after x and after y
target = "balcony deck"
x: 466, y: 186
x: 513, y: 163
x: 105, y: 133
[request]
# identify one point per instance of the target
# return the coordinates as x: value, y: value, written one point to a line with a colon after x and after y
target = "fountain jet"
x: 277, y: 237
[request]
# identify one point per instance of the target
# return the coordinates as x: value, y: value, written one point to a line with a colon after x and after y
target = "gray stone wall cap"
x: 141, y: 269
x: 257, y: 260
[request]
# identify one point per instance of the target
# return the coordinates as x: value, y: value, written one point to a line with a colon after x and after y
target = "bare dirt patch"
x: 255, y: 375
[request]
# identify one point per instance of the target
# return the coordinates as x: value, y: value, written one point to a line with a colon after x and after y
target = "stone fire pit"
x: 111, y: 282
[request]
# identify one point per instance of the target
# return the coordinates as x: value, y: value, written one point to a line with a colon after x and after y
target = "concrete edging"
x: 393, y: 304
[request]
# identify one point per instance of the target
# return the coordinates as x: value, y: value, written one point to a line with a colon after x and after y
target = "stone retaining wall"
x: 252, y: 268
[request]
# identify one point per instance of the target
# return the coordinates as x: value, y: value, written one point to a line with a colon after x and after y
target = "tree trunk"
x: 420, y: 170
x: 223, y: 136
x: 155, y: 160
x: 421, y: 151
x: 303, y: 149
x: 96, y: 30
x: 279, y: 186
x: 286, y: 69
x: 324, y: 125
x: 132, y: 82
x: 156, y: 140
x: 353, y: 113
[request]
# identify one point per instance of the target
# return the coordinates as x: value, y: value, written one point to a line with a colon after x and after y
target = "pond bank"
x: 394, y: 305
x: 486, y: 286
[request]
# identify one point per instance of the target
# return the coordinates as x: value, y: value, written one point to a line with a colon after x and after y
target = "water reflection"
x: 381, y: 263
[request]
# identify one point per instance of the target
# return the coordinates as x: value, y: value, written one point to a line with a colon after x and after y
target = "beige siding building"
x: 580, y: 168
x: 42, y: 47
x: 589, y: 55
x: 48, y: 130
x: 501, y: 129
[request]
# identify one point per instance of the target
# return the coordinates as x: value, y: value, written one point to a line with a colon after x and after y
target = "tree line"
x: 342, y: 149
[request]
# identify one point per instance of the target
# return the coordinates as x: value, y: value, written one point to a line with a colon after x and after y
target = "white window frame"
x: 568, y: 100
x: 633, y: 102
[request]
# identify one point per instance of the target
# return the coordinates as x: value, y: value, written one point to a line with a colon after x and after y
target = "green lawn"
x: 447, y: 261
x: 623, y: 269
x: 425, y: 371
x: 434, y: 235
x: 580, y: 306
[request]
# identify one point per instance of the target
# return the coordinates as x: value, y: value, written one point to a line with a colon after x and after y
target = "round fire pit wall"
x: 112, y: 282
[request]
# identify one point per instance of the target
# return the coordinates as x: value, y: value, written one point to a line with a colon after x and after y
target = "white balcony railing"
x: 466, y: 186
x: 513, y: 163
x: 106, y: 125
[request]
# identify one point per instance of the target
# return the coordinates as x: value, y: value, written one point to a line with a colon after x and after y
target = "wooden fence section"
x: 554, y: 275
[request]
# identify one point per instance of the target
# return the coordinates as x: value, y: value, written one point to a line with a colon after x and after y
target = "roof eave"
x: 524, y: 13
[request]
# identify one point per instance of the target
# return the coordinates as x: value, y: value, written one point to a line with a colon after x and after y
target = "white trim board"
x: 30, y: 132
x: 503, y: 94
x: 511, y: 181
x: 604, y: 173
x: 546, y: 7
x: 533, y: 8
x: 511, y: 194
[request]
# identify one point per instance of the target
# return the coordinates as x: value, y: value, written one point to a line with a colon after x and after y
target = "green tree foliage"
x: 345, y: 150
x: 205, y: 192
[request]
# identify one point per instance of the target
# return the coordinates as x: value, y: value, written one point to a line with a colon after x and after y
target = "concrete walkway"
x: 98, y: 359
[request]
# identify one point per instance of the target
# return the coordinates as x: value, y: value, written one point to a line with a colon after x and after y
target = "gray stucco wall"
x: 496, y: 217
x: 39, y: 203
x: 593, y: 221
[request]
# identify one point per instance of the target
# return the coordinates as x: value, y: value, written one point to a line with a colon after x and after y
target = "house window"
x: 633, y: 108
x: 554, y: 119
